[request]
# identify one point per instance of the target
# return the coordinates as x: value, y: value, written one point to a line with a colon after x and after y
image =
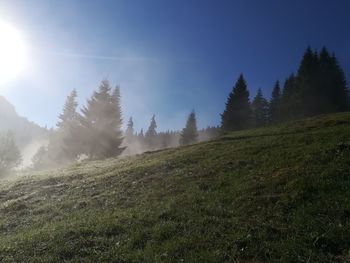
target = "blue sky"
x: 168, y: 57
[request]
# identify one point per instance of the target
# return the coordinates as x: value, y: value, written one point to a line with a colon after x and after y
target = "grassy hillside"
x: 277, y: 194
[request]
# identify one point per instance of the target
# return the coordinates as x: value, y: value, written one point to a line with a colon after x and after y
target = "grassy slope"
x: 277, y: 194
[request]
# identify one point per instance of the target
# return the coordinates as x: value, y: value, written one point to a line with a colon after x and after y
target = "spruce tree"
x: 141, y: 134
x: 10, y: 156
x: 308, y: 84
x: 141, y: 139
x: 189, y: 134
x: 340, y: 95
x: 325, y: 92
x: 101, y: 123
x: 129, y: 132
x: 275, y: 104
x: 151, y: 134
x: 40, y: 159
x: 237, y: 114
x: 69, y: 113
x: 260, y: 110
x: 64, y: 145
x: 291, y: 104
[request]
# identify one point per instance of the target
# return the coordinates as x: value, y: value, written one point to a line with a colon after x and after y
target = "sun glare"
x: 12, y: 52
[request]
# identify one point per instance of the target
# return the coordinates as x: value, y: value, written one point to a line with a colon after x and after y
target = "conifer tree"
x: 65, y: 146
x: 237, y: 114
x: 275, y: 104
x: 129, y: 133
x: 308, y: 84
x: 141, y: 138
x: 101, y: 123
x: 40, y: 159
x: 69, y: 113
x: 189, y: 134
x: 291, y: 104
x: 340, y: 95
x: 141, y: 135
x: 151, y: 134
x: 10, y: 156
x: 260, y: 110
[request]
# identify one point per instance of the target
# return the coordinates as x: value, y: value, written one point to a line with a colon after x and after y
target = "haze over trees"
x: 100, y: 124
x: 95, y: 133
x: 10, y: 156
x: 95, y: 130
x: 151, y: 134
x: 189, y: 134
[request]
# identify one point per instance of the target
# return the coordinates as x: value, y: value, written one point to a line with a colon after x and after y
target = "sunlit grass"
x: 276, y: 194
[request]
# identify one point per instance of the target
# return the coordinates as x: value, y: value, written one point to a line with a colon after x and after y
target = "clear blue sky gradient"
x: 169, y: 57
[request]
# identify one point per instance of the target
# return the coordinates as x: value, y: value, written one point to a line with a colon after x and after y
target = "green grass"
x: 276, y: 194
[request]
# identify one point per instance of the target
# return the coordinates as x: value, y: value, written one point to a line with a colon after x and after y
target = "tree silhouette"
x: 151, y: 134
x: 260, y: 110
x: 275, y: 104
x: 67, y: 136
x: 291, y: 104
x: 189, y: 134
x: 129, y: 132
x: 318, y: 87
x: 237, y: 114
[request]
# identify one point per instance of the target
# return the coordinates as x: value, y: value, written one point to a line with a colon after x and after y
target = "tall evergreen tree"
x: 237, y: 114
x: 101, y: 123
x: 64, y: 144
x: 291, y: 104
x: 151, y: 134
x: 275, y: 104
x: 260, y: 110
x: 141, y: 134
x: 308, y: 84
x: 69, y: 113
x: 340, y: 95
x: 141, y: 138
x: 189, y: 134
x: 40, y: 159
x: 10, y: 156
x: 129, y: 132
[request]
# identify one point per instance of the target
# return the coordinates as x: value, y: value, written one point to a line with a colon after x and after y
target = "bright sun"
x: 12, y: 52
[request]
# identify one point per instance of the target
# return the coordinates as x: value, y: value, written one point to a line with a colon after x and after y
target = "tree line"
x: 95, y: 132
x: 319, y: 86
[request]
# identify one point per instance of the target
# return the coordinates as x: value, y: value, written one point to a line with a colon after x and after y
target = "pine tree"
x: 189, y: 134
x: 151, y: 134
x: 291, y: 104
x: 260, y: 110
x: 237, y: 114
x: 101, y: 123
x: 69, y: 113
x: 141, y: 135
x: 40, y: 159
x: 10, y: 156
x: 308, y: 84
x: 275, y: 104
x: 320, y: 86
x: 340, y: 95
x: 129, y: 132
x: 64, y: 145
